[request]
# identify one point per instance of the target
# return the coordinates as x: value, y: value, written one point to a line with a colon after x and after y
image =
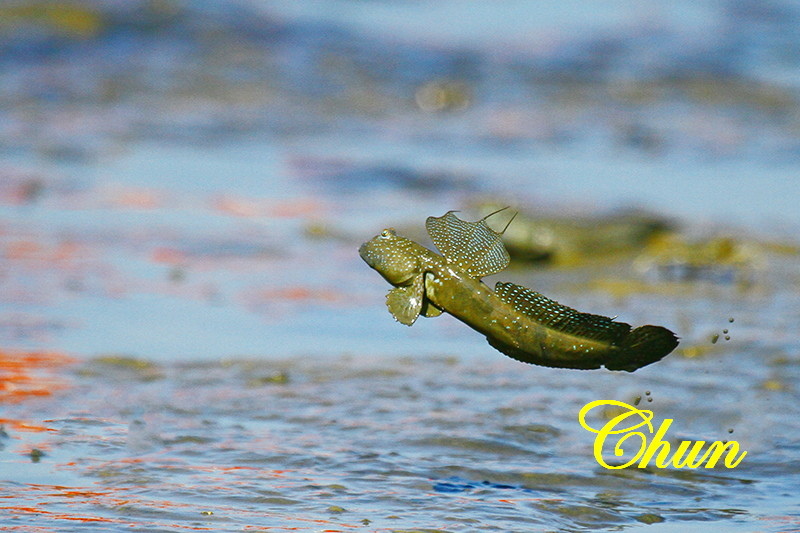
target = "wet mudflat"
x: 189, y: 340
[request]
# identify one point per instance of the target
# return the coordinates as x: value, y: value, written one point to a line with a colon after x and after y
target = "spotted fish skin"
x: 517, y: 321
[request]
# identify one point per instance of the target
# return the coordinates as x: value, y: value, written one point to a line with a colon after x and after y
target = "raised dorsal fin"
x: 560, y: 317
x: 473, y: 247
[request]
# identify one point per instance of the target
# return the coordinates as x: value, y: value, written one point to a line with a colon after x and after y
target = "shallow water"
x: 189, y: 340
x: 435, y: 443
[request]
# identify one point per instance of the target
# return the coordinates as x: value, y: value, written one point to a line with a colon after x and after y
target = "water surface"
x: 188, y: 339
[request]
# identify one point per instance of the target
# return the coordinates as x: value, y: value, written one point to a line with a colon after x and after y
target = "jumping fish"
x: 517, y: 321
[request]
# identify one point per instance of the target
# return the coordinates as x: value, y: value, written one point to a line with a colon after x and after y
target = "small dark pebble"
x: 730, y: 320
x: 650, y: 399
x: 649, y: 518
x: 176, y: 275
x: 730, y: 430
x: 278, y: 378
x: 724, y: 331
x: 727, y: 337
x: 36, y: 455
x: 647, y: 393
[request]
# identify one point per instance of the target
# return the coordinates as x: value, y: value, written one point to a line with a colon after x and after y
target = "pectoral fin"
x: 473, y: 247
x: 405, y: 303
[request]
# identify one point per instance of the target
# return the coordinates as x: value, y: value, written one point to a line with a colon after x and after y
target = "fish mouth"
x: 374, y: 256
x: 366, y: 254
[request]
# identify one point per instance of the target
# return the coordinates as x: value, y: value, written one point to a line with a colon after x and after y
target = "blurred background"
x: 189, y: 338
x: 192, y: 179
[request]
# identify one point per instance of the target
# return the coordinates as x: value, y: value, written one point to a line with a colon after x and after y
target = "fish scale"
x: 560, y: 317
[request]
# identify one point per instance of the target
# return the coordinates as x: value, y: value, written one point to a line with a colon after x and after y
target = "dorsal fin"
x: 560, y: 317
x: 473, y: 247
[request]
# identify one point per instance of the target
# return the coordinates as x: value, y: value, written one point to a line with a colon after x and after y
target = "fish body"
x: 517, y: 321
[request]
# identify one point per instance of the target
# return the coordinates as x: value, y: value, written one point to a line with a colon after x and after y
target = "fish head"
x: 395, y: 258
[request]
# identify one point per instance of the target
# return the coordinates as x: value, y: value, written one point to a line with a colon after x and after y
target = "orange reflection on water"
x: 300, y: 293
x: 51, y: 494
x: 30, y: 374
x: 31, y: 251
x: 252, y: 207
x: 107, y: 498
x: 19, y: 425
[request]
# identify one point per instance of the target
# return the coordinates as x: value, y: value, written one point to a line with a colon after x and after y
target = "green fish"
x: 517, y: 321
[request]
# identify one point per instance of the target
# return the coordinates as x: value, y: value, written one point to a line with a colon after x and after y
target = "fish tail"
x: 643, y: 346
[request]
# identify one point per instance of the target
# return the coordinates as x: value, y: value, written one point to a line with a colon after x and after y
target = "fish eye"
x: 387, y: 233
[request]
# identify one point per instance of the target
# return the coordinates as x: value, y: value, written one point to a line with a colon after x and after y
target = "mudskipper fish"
x: 517, y: 321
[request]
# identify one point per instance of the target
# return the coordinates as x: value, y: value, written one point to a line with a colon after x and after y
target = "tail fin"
x: 643, y: 346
